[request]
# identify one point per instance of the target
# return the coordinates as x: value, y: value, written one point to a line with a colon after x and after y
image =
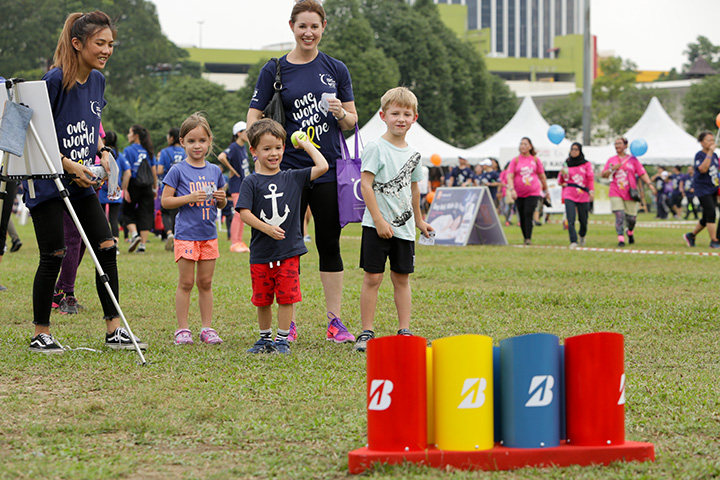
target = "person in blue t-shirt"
x: 461, y: 176
x: 705, y: 183
x: 676, y: 179
x: 76, y: 91
x: 171, y: 155
x: 318, y: 99
x: 113, y: 202
x: 195, y: 188
x: 139, y: 205
x: 235, y: 160
x: 270, y: 202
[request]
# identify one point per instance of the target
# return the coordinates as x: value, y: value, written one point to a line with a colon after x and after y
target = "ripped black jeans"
x: 48, y: 222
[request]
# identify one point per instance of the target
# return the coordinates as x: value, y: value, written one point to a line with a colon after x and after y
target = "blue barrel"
x: 530, y: 385
x: 497, y: 399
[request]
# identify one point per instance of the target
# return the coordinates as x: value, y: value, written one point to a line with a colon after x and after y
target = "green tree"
x: 183, y: 96
x: 349, y: 38
x: 566, y: 112
x: 630, y: 106
x: 703, y: 47
x: 701, y: 105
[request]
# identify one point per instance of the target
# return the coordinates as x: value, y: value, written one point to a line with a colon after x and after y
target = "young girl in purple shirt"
x: 194, y: 187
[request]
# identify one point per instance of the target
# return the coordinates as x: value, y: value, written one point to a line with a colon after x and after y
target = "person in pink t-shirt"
x: 527, y: 183
x: 623, y: 170
x: 578, y: 182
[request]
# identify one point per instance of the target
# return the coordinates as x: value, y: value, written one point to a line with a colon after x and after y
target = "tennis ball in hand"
x: 298, y: 136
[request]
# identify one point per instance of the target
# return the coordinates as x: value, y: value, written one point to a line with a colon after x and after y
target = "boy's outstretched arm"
x: 384, y: 229
x: 419, y: 222
x: 271, y: 231
x: 321, y: 165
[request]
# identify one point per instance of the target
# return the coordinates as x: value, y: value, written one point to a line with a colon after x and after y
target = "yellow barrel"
x: 463, y: 392
x: 430, y: 403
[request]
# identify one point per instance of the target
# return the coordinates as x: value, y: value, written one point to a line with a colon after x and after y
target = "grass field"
x: 217, y: 412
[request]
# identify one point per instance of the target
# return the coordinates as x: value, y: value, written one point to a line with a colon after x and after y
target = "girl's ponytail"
x: 144, y: 138
x: 80, y: 26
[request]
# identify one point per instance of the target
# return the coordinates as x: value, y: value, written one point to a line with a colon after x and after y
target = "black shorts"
x: 374, y: 252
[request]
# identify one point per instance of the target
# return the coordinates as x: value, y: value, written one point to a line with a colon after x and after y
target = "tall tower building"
x: 523, y: 28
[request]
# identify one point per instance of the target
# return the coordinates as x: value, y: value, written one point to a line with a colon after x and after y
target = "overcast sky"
x: 651, y: 33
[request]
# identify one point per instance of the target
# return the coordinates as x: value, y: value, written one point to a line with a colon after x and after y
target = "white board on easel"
x: 35, y: 96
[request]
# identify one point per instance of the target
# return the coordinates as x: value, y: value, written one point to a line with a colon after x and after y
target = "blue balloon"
x: 638, y: 147
x: 556, y: 133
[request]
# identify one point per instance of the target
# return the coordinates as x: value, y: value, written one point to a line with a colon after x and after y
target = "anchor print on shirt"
x: 394, y: 186
x: 276, y: 220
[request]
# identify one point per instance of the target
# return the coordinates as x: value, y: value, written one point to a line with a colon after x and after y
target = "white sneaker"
x: 170, y: 242
x: 573, y: 246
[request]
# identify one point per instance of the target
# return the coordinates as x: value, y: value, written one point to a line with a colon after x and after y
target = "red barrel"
x: 595, y: 389
x: 397, y: 393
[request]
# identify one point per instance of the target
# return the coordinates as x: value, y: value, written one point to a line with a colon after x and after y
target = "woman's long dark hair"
x: 144, y: 138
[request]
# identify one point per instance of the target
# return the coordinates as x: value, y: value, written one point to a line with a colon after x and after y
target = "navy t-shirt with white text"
x: 76, y: 113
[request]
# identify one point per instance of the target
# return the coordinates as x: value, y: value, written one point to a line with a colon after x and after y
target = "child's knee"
x: 373, y: 279
x: 204, y: 284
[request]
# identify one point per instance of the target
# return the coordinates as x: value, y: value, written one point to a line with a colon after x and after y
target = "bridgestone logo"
x: 473, y: 393
x: 541, y: 391
x: 380, y: 394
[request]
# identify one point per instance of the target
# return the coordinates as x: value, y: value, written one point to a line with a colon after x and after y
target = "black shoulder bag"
x: 274, y: 108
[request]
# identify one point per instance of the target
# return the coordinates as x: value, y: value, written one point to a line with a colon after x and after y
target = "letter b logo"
x: 543, y: 395
x: 380, y: 394
x: 473, y: 393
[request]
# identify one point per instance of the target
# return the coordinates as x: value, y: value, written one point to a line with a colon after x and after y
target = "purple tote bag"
x: 350, y: 201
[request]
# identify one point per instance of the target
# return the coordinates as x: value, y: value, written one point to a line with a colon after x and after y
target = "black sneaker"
x: 689, y: 239
x: 264, y: 346
x: 714, y: 244
x: 363, y: 339
x: 631, y: 239
x: 16, y: 244
x: 621, y: 244
x: 405, y: 332
x: 120, y: 340
x: 45, y: 343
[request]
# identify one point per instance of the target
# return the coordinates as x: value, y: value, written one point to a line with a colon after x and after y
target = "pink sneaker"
x: 183, y: 336
x: 210, y: 336
x: 337, y: 332
x: 292, y: 336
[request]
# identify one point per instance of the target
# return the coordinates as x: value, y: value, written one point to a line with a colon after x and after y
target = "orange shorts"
x: 196, y: 250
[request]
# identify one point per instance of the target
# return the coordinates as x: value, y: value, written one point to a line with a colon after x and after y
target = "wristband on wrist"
x: 105, y: 149
x: 343, y: 117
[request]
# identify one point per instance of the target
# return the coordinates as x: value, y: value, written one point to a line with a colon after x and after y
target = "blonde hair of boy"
x: 261, y: 127
x: 400, y: 96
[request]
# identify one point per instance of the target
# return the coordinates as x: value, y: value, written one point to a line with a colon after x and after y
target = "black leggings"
x: 708, y: 204
x: 526, y: 207
x: 11, y: 189
x: 112, y: 213
x: 322, y: 198
x: 48, y: 222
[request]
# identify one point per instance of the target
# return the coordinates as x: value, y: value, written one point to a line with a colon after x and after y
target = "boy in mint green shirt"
x: 390, y: 172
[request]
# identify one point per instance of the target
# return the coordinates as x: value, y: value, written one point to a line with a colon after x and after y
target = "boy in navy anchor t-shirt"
x: 269, y: 202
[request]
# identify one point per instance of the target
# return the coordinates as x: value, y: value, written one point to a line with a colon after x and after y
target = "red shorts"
x: 281, y: 281
x: 196, y: 250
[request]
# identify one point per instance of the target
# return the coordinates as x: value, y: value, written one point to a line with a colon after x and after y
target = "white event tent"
x: 668, y: 143
x: 419, y: 138
x: 527, y: 122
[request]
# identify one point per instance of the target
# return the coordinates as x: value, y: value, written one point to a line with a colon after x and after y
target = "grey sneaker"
x: 120, y: 340
x: 45, y: 343
x: 581, y: 242
x: 363, y: 339
x: 69, y: 306
x: 170, y: 242
x: 134, y: 242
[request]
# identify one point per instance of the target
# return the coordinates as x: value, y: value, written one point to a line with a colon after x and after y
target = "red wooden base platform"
x: 503, y: 458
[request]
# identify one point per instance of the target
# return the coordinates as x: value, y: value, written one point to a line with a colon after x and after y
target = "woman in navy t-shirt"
x: 705, y: 183
x: 76, y: 89
x: 318, y: 99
